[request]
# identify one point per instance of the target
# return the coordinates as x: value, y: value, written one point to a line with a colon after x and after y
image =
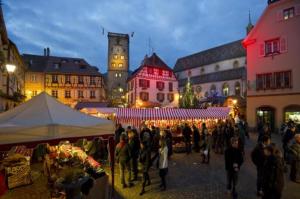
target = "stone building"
x: 70, y: 80
x: 118, y: 68
x: 153, y: 84
x: 273, y: 47
x: 216, y: 72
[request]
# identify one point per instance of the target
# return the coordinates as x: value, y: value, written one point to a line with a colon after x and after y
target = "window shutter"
x: 262, y: 49
x: 297, y: 9
x: 283, y: 44
x: 279, y: 15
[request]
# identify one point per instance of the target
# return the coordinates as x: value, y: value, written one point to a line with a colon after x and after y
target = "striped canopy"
x: 134, y: 115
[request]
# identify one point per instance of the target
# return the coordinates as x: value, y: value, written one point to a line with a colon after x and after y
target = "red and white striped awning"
x: 137, y: 115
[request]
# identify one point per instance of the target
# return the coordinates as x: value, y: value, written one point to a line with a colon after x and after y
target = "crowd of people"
x: 153, y: 147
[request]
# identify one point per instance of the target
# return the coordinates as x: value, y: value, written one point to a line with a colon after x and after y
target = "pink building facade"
x: 153, y: 84
x: 273, y: 65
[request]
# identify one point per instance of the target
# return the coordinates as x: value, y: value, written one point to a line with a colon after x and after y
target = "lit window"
x: 237, y: 88
x: 120, y: 90
x: 120, y: 65
x: 92, y: 94
x: 54, y: 79
x: 113, y: 64
x: 272, y: 47
x: 56, y: 65
x: 54, y: 93
x: 225, y: 89
x: 67, y: 79
x: 67, y: 94
x: 80, y: 79
x: 288, y: 13
x: 34, y: 93
x: 115, y: 56
x: 33, y: 78
x: 122, y: 57
x: 80, y: 94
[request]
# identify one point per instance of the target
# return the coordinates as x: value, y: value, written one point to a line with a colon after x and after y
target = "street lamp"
x: 10, y: 69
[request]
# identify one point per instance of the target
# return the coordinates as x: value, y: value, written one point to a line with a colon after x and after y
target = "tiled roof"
x: 226, y: 75
x: 66, y: 65
x: 153, y: 61
x: 213, y: 55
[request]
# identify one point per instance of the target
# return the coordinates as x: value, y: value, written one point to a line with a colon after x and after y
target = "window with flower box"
x: 144, y: 96
x: 160, y: 85
x: 160, y: 97
x: 171, y: 97
x: 143, y: 83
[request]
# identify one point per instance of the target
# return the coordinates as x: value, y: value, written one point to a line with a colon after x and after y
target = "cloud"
x: 176, y: 28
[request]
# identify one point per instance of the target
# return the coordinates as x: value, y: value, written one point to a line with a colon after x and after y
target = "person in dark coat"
x: 258, y: 159
x: 228, y: 133
x: 287, y: 139
x: 273, y: 173
x: 134, y: 147
x: 123, y: 158
x: 145, y: 160
x: 145, y: 134
x: 220, y: 139
x: 169, y: 140
x: 260, y: 130
x: 118, y: 132
x: 295, y: 160
x: 187, y: 132
x: 233, y: 162
x: 196, y: 138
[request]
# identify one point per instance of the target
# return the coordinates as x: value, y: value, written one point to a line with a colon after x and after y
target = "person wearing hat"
x: 295, y: 160
x: 123, y: 158
x: 145, y: 160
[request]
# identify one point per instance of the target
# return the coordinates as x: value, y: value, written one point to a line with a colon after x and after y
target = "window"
x: 160, y: 85
x: 80, y: 79
x: 80, y: 94
x: 144, y: 83
x: 63, y: 61
x: 92, y: 80
x: 264, y: 81
x: 283, y: 79
x: 76, y: 61
x: 170, y: 74
x: 225, y: 90
x: 170, y: 97
x: 115, y: 56
x: 54, y: 93
x: 237, y: 88
x: 150, y: 71
x: 288, y: 13
x: 122, y: 57
x: 217, y: 67
x: 118, y: 75
x: 54, y: 79
x: 68, y: 79
x: 113, y: 64
x: 160, y: 72
x: 170, y: 86
x: 144, y: 96
x: 213, y: 89
x: 34, y: 93
x: 236, y: 64
x: 33, y: 78
x: 160, y: 97
x: 56, y: 65
x: 272, y: 47
x: 67, y: 94
x: 92, y: 94
x: 202, y: 70
x: 120, y: 65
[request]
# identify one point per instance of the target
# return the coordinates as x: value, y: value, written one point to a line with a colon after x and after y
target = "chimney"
x: 48, y: 51
x: 45, y: 52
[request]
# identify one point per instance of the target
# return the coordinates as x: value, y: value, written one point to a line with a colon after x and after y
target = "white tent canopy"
x: 44, y: 118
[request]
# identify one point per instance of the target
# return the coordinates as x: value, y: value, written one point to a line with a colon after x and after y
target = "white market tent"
x: 44, y: 118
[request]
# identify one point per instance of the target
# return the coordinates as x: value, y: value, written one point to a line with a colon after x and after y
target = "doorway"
x: 267, y: 116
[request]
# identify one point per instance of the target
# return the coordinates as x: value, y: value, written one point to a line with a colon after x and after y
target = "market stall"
x: 169, y: 116
x: 45, y: 118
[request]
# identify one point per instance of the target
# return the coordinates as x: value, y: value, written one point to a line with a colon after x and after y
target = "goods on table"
x: 17, y: 170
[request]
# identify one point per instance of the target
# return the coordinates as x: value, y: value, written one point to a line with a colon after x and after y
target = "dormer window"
x: 63, y: 61
x: 56, y: 66
x: 76, y: 61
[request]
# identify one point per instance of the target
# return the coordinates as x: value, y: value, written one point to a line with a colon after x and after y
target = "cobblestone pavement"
x: 188, y: 178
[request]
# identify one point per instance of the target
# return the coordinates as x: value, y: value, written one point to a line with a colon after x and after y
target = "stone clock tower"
x: 118, y: 67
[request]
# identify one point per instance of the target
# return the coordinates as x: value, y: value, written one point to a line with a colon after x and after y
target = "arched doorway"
x: 266, y: 114
x: 225, y: 89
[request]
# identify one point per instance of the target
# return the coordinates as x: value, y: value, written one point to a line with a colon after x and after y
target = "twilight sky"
x: 176, y: 27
